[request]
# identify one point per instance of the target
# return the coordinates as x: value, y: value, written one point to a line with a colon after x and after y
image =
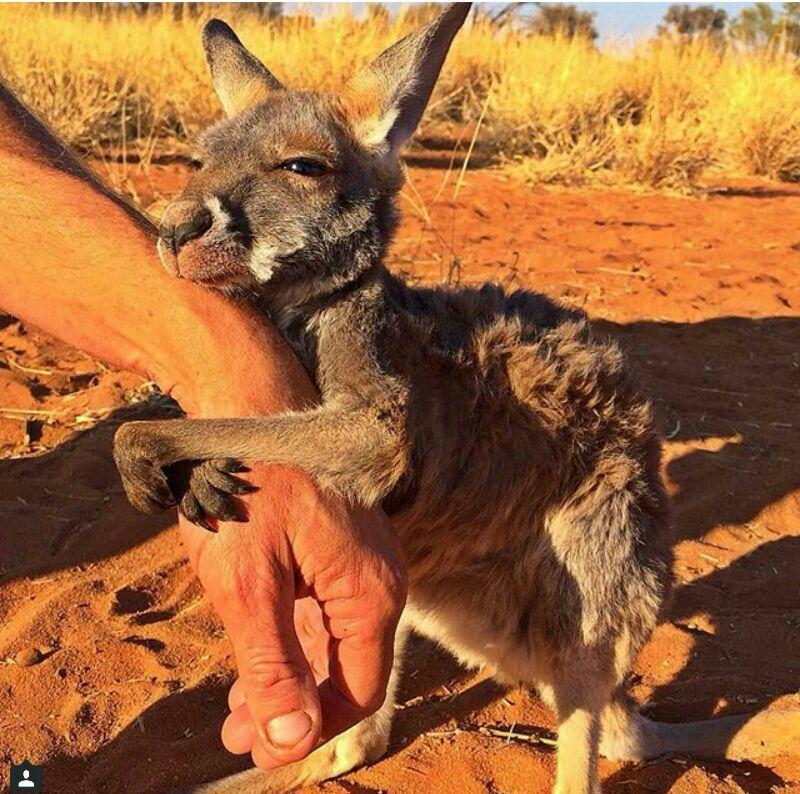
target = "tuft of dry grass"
x: 659, y: 113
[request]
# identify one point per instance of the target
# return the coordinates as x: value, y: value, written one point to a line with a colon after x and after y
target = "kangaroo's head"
x: 295, y: 191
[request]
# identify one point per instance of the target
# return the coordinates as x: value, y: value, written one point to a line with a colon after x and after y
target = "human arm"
x: 79, y: 263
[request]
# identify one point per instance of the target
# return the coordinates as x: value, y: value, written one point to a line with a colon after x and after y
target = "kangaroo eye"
x: 304, y: 166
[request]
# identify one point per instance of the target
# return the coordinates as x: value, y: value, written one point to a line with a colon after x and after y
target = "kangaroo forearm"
x: 344, y: 451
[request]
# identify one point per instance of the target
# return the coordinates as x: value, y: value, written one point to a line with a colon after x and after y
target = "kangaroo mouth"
x: 217, y: 265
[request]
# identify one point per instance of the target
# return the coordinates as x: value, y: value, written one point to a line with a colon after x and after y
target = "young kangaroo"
x: 514, y: 455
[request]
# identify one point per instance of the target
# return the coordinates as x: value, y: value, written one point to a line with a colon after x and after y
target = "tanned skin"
x: 517, y: 459
x: 79, y: 263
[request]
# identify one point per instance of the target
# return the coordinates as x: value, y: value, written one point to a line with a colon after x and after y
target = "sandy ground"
x: 113, y: 668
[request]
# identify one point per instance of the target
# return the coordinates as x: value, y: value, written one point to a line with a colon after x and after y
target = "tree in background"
x: 761, y: 26
x: 693, y: 22
x: 563, y: 20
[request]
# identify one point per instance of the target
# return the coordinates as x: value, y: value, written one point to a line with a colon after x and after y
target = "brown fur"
x: 514, y: 454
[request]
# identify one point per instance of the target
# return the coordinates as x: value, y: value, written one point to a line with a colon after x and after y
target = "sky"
x: 634, y: 19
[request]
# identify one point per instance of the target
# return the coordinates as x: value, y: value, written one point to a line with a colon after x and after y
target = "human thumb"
x: 279, y: 688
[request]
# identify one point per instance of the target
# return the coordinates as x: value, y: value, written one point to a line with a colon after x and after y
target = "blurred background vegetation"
x: 526, y: 84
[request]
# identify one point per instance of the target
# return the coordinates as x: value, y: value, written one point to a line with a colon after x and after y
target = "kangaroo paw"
x: 208, y: 490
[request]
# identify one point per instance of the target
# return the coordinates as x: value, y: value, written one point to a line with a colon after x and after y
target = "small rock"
x: 28, y: 657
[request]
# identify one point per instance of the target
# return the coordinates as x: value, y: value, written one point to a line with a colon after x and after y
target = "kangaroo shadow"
x: 726, y: 386
x: 725, y: 391
x: 728, y: 383
x: 751, y: 617
x: 753, y: 609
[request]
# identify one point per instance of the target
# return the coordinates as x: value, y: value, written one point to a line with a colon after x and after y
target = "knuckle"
x: 267, y: 672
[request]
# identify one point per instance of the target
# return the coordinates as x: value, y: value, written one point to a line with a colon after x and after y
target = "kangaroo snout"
x: 183, y: 222
x: 198, y: 240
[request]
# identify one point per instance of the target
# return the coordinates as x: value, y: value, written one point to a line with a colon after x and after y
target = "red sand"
x: 113, y: 668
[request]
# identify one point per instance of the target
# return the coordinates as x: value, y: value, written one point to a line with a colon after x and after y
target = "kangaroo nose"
x: 176, y: 236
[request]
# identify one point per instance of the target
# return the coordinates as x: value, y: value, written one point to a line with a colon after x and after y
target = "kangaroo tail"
x: 627, y: 735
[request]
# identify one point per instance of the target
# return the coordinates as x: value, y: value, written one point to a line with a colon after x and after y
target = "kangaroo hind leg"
x: 579, y: 701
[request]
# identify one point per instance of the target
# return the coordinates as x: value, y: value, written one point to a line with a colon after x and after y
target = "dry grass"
x: 658, y: 114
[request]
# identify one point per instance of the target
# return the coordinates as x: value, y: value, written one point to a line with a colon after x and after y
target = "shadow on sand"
x: 731, y: 384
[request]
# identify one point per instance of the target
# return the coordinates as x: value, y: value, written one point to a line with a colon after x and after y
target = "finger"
x: 362, y: 595
x: 250, y: 580
x: 314, y: 640
x: 359, y: 673
x: 362, y: 654
x: 238, y: 734
x: 278, y: 685
x: 236, y: 695
x: 360, y: 667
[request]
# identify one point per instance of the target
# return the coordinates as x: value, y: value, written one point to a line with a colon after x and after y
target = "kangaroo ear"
x: 240, y: 79
x: 386, y: 100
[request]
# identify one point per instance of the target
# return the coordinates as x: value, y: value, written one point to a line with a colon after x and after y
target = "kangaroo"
x: 517, y: 460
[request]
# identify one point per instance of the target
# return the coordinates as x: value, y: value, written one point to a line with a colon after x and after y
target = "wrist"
x: 223, y: 359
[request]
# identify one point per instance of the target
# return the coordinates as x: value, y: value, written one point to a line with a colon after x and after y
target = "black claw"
x: 232, y: 515
x: 245, y: 487
x: 203, y: 522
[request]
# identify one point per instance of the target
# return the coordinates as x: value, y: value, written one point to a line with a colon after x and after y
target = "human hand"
x: 312, y: 667
x: 325, y: 658
x: 309, y: 589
